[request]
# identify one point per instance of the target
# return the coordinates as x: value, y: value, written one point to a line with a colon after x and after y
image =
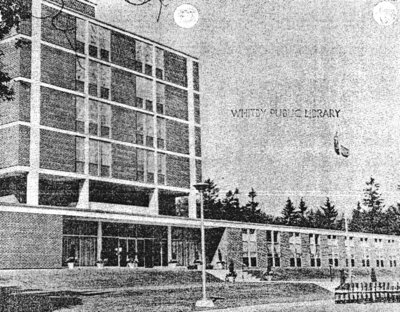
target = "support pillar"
x: 169, y: 242
x: 99, y: 239
x: 83, y: 201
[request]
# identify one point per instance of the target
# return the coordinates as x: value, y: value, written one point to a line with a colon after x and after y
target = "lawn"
x: 83, y: 278
x: 180, y: 300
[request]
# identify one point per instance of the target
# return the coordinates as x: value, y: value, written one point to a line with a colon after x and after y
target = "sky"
x: 296, y: 56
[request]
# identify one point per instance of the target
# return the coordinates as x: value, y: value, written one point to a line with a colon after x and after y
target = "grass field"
x: 82, y: 278
x: 180, y: 300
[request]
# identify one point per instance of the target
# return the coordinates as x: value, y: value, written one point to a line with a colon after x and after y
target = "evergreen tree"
x: 329, y: 215
x: 375, y: 218
x: 231, y: 206
x: 288, y: 213
x: 212, y: 204
x: 302, y: 219
x: 356, y: 223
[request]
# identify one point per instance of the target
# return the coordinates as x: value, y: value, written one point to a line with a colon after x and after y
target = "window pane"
x: 105, y: 115
x: 105, y: 76
x: 93, y: 112
x: 80, y: 149
x: 149, y: 124
x: 105, y: 154
x: 93, y: 34
x: 80, y: 109
x: 161, y: 163
x: 150, y: 162
x: 80, y: 69
x: 159, y: 58
x: 140, y: 159
x: 93, y: 152
x: 93, y: 72
x: 144, y: 88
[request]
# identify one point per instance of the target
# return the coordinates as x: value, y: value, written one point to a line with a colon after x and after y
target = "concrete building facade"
x: 102, y: 147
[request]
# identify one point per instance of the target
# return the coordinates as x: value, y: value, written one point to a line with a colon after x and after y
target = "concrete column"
x: 99, y: 239
x: 169, y: 242
x: 192, y: 141
x: 153, y: 205
x: 34, y: 149
x: 83, y: 201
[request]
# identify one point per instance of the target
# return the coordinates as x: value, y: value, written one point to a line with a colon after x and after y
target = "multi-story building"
x: 101, y: 148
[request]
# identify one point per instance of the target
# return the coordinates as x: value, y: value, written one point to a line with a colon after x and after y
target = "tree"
x: 302, y: 217
x: 329, y: 215
x: 12, y: 13
x: 356, y: 223
x: 288, y: 213
x: 212, y: 204
x: 374, y: 220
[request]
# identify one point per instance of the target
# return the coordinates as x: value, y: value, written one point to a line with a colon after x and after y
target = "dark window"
x: 336, y: 262
x: 79, y: 86
x: 253, y: 261
x: 148, y: 69
x: 104, y: 55
x: 277, y: 262
x: 353, y: 263
x: 105, y: 132
x: 312, y: 262
x: 140, y: 176
x: 104, y: 93
x: 92, y: 50
x: 382, y: 265
x: 80, y: 47
x: 292, y: 262
x: 93, y: 128
x: 161, y: 179
x: 394, y: 263
x: 298, y: 262
x: 92, y: 89
x: 105, y: 171
x: 149, y: 141
x: 93, y: 169
x: 363, y: 262
x: 150, y: 177
x: 160, y: 143
x: 80, y: 126
x: 367, y: 263
x: 149, y: 105
x: 159, y: 73
x: 139, y: 102
x: 138, y: 66
x: 331, y: 262
x: 246, y: 261
x: 377, y: 263
x: 347, y: 262
x: 139, y: 138
x: 160, y: 108
x: 318, y: 262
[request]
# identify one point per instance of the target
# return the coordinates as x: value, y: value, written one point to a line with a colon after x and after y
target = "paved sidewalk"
x: 277, y: 306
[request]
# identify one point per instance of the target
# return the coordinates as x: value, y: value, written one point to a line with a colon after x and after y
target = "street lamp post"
x: 204, y: 302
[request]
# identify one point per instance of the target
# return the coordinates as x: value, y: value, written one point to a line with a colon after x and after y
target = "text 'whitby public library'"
x: 103, y: 140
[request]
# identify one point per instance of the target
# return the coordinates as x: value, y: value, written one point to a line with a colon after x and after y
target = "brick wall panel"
x: 175, y: 68
x: 176, y: 102
x: 198, y: 141
x: 124, y: 162
x: 57, y: 151
x: 234, y: 247
x: 58, y: 109
x: 285, y: 250
x: 123, y: 49
x: 64, y: 34
x: 342, y: 251
x: 325, y: 251
x: 197, y: 110
x: 9, y: 156
x: 196, y: 82
x: 58, y: 67
x: 305, y: 250
x: 30, y: 241
x: 262, y: 250
x: 17, y: 109
x: 123, y: 86
x: 199, y: 172
x: 123, y: 124
x: 24, y: 143
x: 78, y: 6
x: 178, y: 171
x: 177, y: 137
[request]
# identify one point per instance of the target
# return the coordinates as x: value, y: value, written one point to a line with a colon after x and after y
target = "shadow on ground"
x: 14, y: 300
